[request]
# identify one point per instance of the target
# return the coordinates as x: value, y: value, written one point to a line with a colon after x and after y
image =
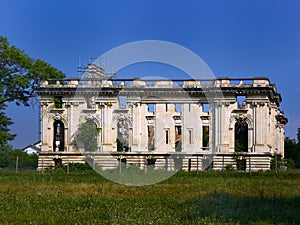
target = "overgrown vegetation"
x: 8, y: 159
x: 86, y: 136
x: 292, y: 150
x: 186, y: 198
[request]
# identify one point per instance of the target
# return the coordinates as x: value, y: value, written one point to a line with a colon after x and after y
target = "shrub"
x: 25, y: 161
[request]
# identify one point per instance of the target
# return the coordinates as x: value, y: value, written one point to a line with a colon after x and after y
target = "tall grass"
x: 185, y: 198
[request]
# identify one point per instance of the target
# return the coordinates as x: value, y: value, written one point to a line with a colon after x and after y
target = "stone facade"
x: 192, y: 118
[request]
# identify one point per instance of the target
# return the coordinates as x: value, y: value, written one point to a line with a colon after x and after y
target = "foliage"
x: 240, y: 145
x: 279, y: 160
x: 151, y: 160
x: 205, y: 136
x: 73, y: 167
x: 240, y: 161
x: 86, y: 136
x: 186, y: 198
x: 229, y: 167
x: 57, y: 100
x: 290, y: 163
x: 25, y: 161
x: 19, y: 76
x: 5, y: 136
x: 292, y: 151
x: 241, y: 136
x: 121, y: 145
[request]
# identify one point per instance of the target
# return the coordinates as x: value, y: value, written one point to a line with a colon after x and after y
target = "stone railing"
x: 175, y: 83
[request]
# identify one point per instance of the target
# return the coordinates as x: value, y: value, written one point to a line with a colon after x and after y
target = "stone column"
x: 254, y: 105
x: 135, y: 124
x: 107, y: 124
x: 260, y: 127
x: 44, y: 128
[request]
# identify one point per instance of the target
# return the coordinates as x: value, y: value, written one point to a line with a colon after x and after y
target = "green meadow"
x: 185, y: 198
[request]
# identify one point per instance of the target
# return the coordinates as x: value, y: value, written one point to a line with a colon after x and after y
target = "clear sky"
x: 235, y: 38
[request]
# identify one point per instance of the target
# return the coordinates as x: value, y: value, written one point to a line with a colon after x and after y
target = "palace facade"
x: 222, y: 119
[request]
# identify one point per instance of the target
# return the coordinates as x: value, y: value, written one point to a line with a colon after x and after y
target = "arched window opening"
x: 58, y: 137
x: 178, y: 139
x: 87, y: 136
x: 122, y: 136
x: 241, y: 136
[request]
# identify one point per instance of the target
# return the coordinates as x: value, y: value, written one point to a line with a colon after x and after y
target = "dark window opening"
x: 205, y: 136
x: 241, y: 136
x: 178, y: 139
x: 58, y: 140
x: 123, y: 136
x: 151, y: 137
x: 167, y: 136
x: 190, y: 136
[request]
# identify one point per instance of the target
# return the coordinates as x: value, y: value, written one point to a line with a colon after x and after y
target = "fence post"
x: 223, y: 166
x: 120, y: 166
x: 42, y: 165
x: 197, y: 164
x: 17, y: 164
x: 276, y: 163
x: 250, y: 164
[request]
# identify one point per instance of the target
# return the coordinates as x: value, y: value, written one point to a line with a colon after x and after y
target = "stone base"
x: 165, y: 161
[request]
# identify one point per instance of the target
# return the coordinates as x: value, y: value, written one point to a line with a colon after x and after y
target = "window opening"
x: 190, y: 136
x: 167, y: 136
x: 178, y: 139
x: 241, y: 99
x: 151, y: 108
x: 178, y: 108
x: 122, y: 102
x: 58, y: 140
x: 205, y: 136
x: 205, y: 107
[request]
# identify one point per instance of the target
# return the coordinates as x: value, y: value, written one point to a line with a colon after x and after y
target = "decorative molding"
x: 204, y: 117
x: 122, y: 115
x: 235, y: 117
x: 177, y: 117
x: 150, y: 117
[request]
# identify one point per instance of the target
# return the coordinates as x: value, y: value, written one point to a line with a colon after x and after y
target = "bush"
x: 73, y: 167
x: 229, y: 167
x: 8, y: 159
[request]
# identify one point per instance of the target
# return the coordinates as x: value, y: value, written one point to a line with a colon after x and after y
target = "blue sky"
x: 235, y: 38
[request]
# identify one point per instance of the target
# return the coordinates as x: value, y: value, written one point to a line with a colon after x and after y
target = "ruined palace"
x: 225, y: 120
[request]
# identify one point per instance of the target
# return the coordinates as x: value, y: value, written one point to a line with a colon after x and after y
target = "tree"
x: 292, y: 151
x: 19, y: 75
x: 5, y: 136
x: 86, y: 136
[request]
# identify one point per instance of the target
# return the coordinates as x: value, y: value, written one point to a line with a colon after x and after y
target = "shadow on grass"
x: 225, y: 208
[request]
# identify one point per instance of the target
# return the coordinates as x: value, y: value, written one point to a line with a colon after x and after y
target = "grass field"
x: 185, y: 198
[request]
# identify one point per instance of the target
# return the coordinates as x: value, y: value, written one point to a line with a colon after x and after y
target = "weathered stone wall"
x: 98, y: 100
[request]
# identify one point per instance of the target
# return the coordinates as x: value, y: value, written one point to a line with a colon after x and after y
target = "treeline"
x: 9, y: 158
x: 292, y: 150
